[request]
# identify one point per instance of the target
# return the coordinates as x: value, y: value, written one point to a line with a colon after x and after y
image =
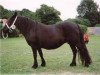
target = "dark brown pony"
x: 39, y: 36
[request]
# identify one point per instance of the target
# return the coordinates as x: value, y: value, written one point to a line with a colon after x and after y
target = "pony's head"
x: 10, y: 24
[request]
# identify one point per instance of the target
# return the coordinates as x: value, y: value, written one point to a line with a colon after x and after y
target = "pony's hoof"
x: 86, y: 65
x: 34, y: 66
x: 43, y: 65
x: 73, y: 64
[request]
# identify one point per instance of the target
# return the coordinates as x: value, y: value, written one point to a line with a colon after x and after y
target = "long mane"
x: 24, y: 24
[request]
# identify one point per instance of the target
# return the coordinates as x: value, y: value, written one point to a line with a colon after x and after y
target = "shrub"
x: 81, y: 21
x: 83, y: 28
x: 97, y: 25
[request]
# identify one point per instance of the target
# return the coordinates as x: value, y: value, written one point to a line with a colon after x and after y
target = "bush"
x: 97, y: 25
x: 81, y: 21
x: 83, y: 28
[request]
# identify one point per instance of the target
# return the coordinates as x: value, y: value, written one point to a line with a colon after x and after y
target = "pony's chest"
x: 31, y: 38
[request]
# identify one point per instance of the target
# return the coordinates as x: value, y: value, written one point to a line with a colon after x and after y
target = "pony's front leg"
x: 42, y: 59
x: 35, y: 65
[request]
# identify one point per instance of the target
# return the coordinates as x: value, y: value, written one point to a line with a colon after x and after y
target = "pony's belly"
x: 52, y: 45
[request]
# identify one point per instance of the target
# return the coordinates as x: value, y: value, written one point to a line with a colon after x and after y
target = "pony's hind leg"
x: 74, y: 50
x: 84, y: 54
x: 42, y: 59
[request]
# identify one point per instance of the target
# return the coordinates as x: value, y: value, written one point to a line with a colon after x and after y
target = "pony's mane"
x: 25, y: 20
x: 25, y: 24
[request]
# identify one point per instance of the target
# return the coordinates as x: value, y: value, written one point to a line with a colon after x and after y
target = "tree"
x: 4, y: 13
x: 48, y: 15
x: 89, y: 9
x: 1, y: 9
x: 27, y: 13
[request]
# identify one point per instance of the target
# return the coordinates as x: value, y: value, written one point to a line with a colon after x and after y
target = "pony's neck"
x: 24, y: 25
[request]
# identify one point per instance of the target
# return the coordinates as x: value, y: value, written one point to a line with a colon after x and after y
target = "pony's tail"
x: 84, y: 54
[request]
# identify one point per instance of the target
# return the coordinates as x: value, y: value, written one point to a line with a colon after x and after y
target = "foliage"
x: 89, y: 9
x: 81, y: 21
x: 83, y: 28
x: 1, y: 9
x: 17, y: 58
x: 4, y: 13
x: 97, y: 25
x: 48, y: 15
x: 27, y: 13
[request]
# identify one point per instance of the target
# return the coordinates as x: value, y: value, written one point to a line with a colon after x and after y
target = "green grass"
x: 16, y: 58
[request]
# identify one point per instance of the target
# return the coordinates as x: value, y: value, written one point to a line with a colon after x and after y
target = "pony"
x: 39, y: 35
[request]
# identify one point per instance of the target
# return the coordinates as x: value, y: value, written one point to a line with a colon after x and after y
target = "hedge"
x: 97, y: 25
x: 83, y: 28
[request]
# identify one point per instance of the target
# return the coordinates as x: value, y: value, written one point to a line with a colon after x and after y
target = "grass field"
x: 16, y: 58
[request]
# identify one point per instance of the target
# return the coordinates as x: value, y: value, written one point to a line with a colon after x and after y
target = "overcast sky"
x: 66, y: 7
